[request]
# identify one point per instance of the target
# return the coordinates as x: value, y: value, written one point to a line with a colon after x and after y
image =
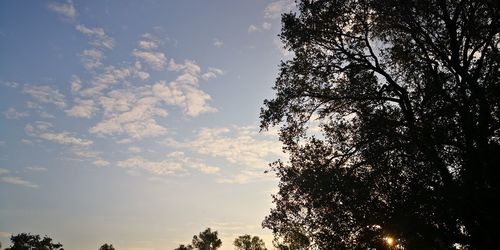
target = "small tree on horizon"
x: 207, y: 240
x: 107, y: 247
x: 27, y: 241
x: 247, y: 242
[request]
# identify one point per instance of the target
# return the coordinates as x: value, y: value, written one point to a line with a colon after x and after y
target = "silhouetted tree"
x: 406, y: 95
x: 206, y: 240
x: 293, y: 239
x: 107, y: 247
x: 24, y: 241
x: 247, y: 242
x: 183, y: 247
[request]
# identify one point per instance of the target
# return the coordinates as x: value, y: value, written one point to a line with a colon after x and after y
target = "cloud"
x: 66, y: 10
x: 36, y: 168
x: 266, y: 26
x: 12, y: 113
x: 99, y: 38
x: 157, y: 60
x: 100, y: 163
x: 246, y: 176
x: 82, y: 108
x: 134, y: 149
x: 76, y: 84
x: 42, y: 130
x: 45, y: 94
x: 4, y: 171
x: 91, y: 58
x: 276, y: 8
x: 132, y: 112
x: 5, y: 234
x: 218, y: 43
x: 149, y: 42
x: 212, y: 73
x: 191, y: 99
x: 18, y: 181
x: 252, y: 28
x: 10, y: 84
x: 175, y: 164
x: 285, y: 53
x: 238, y: 145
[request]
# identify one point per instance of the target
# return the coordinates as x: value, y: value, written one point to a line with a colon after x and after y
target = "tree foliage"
x: 107, y: 247
x: 247, y: 242
x: 184, y: 247
x: 206, y: 240
x: 407, y: 98
x: 24, y: 241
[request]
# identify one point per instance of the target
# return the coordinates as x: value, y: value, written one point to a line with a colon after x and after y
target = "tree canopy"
x: 406, y: 98
x: 206, y: 240
x: 26, y: 241
x: 107, y: 247
x: 247, y: 242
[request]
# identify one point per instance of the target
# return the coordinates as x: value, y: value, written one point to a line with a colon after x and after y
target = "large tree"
x: 406, y: 96
x: 247, y: 242
x: 107, y: 247
x: 24, y: 241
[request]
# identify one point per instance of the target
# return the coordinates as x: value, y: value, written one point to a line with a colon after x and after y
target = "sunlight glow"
x: 389, y: 240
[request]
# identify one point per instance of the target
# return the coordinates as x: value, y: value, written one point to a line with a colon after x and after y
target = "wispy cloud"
x: 15, y: 180
x: 252, y: 28
x: 12, y: 113
x: 4, y: 171
x: 212, y: 73
x: 218, y: 43
x: 82, y: 108
x: 276, y: 8
x: 66, y: 9
x: 36, y: 168
x: 99, y: 38
x: 45, y: 94
x: 91, y: 58
x: 42, y: 130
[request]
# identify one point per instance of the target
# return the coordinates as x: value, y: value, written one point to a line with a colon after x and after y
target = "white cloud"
x: 100, y: 163
x: 238, y: 145
x: 218, y: 43
x: 252, y: 28
x: 12, y: 113
x: 153, y: 167
x: 91, y: 58
x: 191, y: 99
x: 276, y: 8
x: 18, y: 181
x: 266, y: 26
x: 82, y: 108
x: 45, y: 94
x: 134, y: 149
x: 4, y: 171
x: 10, y: 84
x: 36, y: 168
x: 149, y: 42
x: 247, y: 176
x: 131, y: 112
x: 212, y: 73
x: 42, y: 130
x: 76, y: 84
x: 66, y: 10
x: 99, y: 38
x: 157, y: 60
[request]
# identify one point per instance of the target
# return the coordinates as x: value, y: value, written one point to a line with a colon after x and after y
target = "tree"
x: 183, y: 247
x: 247, y: 242
x: 206, y: 240
x: 107, y: 247
x: 406, y: 95
x: 24, y: 241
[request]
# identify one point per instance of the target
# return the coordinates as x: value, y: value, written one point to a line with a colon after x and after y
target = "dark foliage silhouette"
x: 26, y: 241
x: 247, y: 242
x: 206, y: 240
x: 406, y: 95
x: 107, y: 247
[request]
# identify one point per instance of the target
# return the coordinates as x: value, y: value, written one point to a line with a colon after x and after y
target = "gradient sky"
x: 136, y: 122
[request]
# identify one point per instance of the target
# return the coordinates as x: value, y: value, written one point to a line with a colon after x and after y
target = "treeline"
x: 205, y: 240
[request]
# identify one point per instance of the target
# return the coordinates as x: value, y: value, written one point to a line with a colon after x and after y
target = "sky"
x: 136, y: 123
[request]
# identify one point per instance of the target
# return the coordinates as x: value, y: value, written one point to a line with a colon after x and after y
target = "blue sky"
x: 136, y: 122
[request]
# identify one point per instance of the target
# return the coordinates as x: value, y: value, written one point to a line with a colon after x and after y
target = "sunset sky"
x: 136, y: 122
